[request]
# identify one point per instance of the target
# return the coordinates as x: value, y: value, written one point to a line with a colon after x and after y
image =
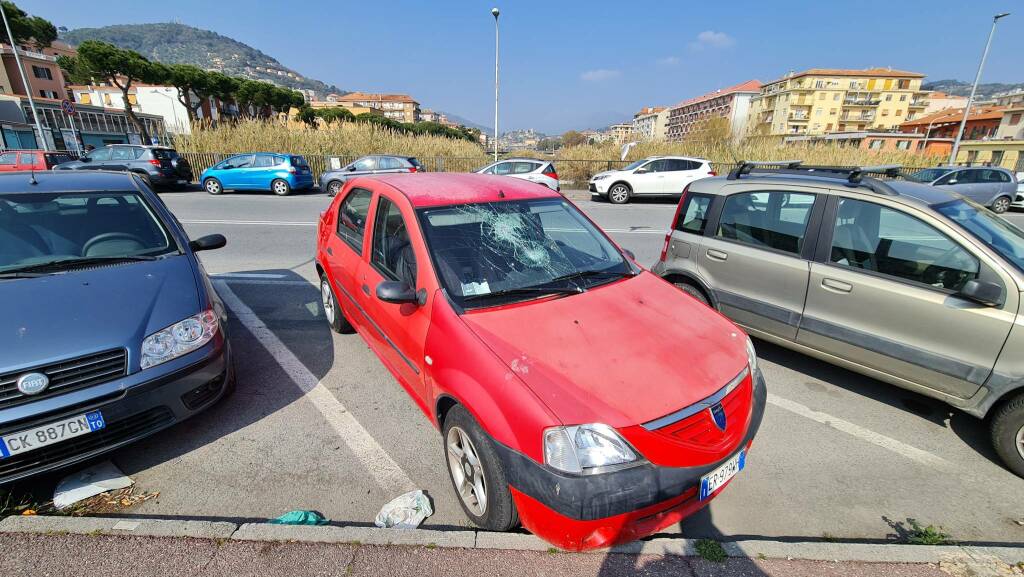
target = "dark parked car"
x: 112, y: 330
x: 159, y: 165
x: 331, y: 181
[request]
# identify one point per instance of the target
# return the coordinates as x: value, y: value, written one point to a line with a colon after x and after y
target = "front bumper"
x: 130, y: 415
x: 599, y: 186
x: 577, y: 512
x: 1018, y: 200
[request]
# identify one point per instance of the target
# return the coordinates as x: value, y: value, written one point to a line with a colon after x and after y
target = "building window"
x: 85, y: 99
x: 997, y: 157
x: 972, y: 156
x: 835, y: 96
x: 888, y: 97
x: 875, y: 144
x: 885, y: 112
x: 41, y: 72
x: 1015, y: 118
x: 899, y: 113
x: 903, y: 97
x: 902, y: 145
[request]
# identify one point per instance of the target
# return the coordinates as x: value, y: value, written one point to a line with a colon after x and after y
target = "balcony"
x: 799, y: 116
x: 918, y: 104
x: 861, y: 102
x: 857, y: 117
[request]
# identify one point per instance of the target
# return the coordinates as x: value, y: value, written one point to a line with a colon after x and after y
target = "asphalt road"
x: 318, y: 423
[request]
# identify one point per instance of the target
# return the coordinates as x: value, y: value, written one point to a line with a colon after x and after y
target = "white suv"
x: 654, y: 176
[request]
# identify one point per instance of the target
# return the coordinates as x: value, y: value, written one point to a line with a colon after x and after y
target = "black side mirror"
x: 85, y: 159
x: 982, y: 292
x: 397, y: 292
x: 351, y: 169
x: 208, y: 242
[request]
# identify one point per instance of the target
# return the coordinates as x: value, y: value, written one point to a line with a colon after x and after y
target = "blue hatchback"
x: 110, y: 329
x: 279, y: 173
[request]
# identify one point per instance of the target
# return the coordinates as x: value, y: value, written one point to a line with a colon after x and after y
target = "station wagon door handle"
x: 717, y: 255
x: 836, y: 286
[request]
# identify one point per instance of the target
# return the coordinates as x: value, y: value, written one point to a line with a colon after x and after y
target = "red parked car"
x: 12, y: 160
x: 576, y: 392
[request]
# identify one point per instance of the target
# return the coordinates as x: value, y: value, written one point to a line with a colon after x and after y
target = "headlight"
x: 178, y: 339
x: 751, y: 355
x: 600, y: 176
x: 583, y: 448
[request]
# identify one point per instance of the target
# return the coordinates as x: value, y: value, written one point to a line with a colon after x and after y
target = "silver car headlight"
x: 585, y: 448
x: 178, y: 339
x: 751, y: 356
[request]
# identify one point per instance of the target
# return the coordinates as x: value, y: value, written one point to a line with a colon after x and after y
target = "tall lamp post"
x: 495, y: 12
x: 24, y: 79
x: 977, y: 78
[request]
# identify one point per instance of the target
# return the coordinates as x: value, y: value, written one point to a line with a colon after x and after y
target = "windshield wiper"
x: 75, y: 262
x: 526, y: 290
x: 582, y: 274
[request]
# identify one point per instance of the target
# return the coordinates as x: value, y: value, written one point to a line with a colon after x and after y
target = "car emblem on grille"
x: 33, y: 383
x: 718, y: 416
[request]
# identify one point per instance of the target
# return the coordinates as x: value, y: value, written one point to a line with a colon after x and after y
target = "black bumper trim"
x: 590, y: 497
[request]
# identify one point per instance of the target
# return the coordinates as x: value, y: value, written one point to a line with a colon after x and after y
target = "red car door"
x: 29, y: 161
x: 397, y: 253
x: 345, y: 247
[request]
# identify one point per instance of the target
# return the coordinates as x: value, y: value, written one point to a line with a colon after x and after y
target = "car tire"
x: 1001, y: 204
x: 1007, y: 428
x: 333, y: 188
x: 619, y: 193
x: 693, y: 291
x: 280, y: 187
x: 213, y: 186
x: 332, y: 311
x: 460, y: 431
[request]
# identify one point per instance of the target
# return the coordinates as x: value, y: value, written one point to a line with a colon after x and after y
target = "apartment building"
x: 941, y: 101
x: 1011, y: 98
x: 822, y: 100
x: 621, y: 133
x: 982, y: 123
x: 400, y: 107
x: 651, y: 123
x: 44, y: 76
x: 732, y: 103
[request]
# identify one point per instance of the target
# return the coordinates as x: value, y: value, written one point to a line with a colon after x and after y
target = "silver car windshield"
x: 993, y: 230
x: 635, y: 164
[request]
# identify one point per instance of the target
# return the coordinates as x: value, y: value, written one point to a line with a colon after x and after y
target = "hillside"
x: 960, y: 88
x: 174, y: 43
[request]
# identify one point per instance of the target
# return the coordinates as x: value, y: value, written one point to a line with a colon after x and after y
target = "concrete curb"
x: 469, y: 539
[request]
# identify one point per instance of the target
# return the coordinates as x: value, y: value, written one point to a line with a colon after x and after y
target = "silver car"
x: 989, y: 186
x: 911, y: 284
x: 331, y: 181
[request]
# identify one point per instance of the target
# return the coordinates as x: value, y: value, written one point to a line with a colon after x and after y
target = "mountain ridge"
x: 960, y: 88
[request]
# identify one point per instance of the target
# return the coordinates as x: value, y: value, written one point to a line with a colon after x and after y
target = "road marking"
x: 374, y: 459
x: 249, y: 275
x: 250, y: 222
x: 898, y: 447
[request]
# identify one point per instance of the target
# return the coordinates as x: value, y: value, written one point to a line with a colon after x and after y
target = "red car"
x: 12, y: 160
x: 576, y: 392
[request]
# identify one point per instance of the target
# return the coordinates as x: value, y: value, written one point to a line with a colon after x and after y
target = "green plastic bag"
x: 300, y: 518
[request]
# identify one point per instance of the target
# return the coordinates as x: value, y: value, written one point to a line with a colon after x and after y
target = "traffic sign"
x: 68, y: 107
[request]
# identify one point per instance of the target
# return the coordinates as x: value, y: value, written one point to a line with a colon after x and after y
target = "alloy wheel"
x: 619, y: 193
x: 328, y: 300
x: 333, y: 188
x: 1001, y: 204
x: 212, y: 186
x: 467, y: 471
x: 1020, y: 442
x: 281, y: 187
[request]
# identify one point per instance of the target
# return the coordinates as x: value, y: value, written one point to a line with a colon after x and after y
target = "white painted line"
x: 264, y: 282
x: 627, y: 231
x: 250, y: 222
x: 898, y: 447
x: 388, y: 475
x: 248, y: 275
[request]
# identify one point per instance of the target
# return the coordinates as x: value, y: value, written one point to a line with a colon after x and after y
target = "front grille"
x: 114, y: 433
x: 700, y: 429
x: 66, y: 376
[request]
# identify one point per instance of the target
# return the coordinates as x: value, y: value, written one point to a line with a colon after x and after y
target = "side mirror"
x: 396, y: 292
x: 641, y: 170
x: 85, y: 159
x: 982, y: 292
x: 208, y: 242
x: 351, y: 169
x: 227, y: 167
x: 629, y: 253
x: 952, y: 181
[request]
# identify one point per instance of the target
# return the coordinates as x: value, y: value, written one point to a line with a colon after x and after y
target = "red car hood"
x: 620, y: 354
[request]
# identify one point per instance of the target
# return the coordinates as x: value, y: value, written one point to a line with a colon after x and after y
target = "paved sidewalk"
x: 103, y: 555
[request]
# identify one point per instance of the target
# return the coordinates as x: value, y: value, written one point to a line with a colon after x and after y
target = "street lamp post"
x: 24, y: 79
x: 977, y: 78
x: 495, y: 12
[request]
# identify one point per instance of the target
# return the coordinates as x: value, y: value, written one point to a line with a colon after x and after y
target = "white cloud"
x: 669, y: 61
x: 600, y: 74
x: 712, y: 39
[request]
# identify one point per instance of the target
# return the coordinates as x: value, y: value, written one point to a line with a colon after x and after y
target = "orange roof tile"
x: 955, y: 114
x: 365, y: 96
x: 748, y: 86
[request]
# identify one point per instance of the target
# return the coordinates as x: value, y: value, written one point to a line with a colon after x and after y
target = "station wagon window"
x: 875, y: 238
x: 392, y: 254
x: 352, y: 217
x: 388, y: 163
x: 693, y: 217
x: 950, y: 177
x: 365, y: 164
x: 775, y: 220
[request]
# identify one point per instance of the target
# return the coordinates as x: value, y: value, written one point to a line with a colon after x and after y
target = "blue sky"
x: 584, y: 64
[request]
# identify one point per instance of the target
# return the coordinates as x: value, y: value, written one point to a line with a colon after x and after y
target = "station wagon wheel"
x: 280, y: 187
x: 333, y: 188
x: 212, y: 186
x: 1007, y: 427
x: 1001, y: 205
x: 477, y: 472
x: 619, y: 193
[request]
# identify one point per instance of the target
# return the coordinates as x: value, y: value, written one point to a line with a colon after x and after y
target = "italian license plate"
x: 32, y: 439
x: 715, y: 479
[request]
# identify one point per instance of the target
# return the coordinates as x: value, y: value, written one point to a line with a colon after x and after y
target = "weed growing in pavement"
x: 711, y: 550
x: 929, y: 535
x: 552, y: 550
x: 829, y: 537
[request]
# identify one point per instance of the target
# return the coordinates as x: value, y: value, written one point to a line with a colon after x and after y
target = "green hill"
x: 174, y: 43
x: 960, y: 88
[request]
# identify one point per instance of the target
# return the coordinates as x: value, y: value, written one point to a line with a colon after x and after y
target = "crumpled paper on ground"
x: 89, y: 482
x: 405, y: 512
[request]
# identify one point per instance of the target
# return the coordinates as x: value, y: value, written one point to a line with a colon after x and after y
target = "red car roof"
x: 440, y: 189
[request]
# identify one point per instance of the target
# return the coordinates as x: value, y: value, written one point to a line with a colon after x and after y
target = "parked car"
x: 13, y: 160
x: 531, y: 169
x: 653, y: 176
x: 278, y: 173
x: 910, y: 284
x: 486, y: 298
x: 1018, y: 201
x: 331, y: 181
x: 117, y: 332
x: 989, y: 186
x: 160, y: 166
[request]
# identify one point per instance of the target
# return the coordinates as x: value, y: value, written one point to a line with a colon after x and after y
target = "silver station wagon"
x: 911, y: 284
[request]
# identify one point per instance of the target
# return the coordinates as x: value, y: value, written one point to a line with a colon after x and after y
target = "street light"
x: 24, y: 79
x: 970, y: 99
x: 495, y: 12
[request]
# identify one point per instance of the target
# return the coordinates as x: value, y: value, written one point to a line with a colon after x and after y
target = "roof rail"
x: 890, y: 170
x: 855, y: 175
x: 745, y: 167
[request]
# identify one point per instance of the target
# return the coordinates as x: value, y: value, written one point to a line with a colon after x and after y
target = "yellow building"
x: 821, y: 100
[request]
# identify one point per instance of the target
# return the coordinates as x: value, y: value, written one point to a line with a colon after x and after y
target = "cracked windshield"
x: 460, y: 289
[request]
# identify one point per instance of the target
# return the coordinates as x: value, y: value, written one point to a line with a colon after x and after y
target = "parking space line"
x: 374, y: 459
x: 249, y: 222
x: 898, y: 447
